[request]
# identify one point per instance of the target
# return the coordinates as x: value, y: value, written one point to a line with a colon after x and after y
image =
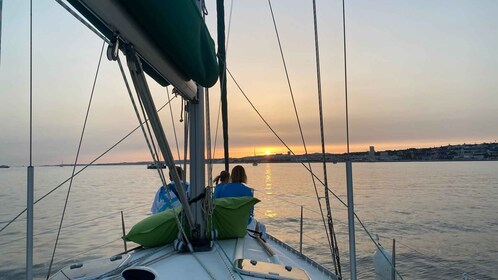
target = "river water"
x: 443, y: 215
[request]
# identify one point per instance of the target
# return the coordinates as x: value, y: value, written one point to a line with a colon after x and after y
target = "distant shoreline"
x: 450, y: 153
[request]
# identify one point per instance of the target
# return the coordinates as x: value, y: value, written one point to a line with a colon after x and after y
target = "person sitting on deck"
x: 236, y: 188
x: 161, y: 200
x: 222, y: 179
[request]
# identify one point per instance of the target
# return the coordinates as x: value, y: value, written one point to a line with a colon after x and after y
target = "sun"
x: 267, y: 152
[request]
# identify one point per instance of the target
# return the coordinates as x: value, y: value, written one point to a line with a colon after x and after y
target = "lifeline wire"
x: 76, y: 159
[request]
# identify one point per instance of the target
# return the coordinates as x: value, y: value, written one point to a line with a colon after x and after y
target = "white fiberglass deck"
x: 218, y: 263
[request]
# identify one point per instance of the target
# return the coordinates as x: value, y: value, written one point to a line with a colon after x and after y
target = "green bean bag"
x: 156, y: 230
x: 231, y: 214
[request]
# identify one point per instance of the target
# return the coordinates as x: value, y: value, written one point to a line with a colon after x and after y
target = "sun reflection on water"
x: 270, y: 214
x: 268, y: 188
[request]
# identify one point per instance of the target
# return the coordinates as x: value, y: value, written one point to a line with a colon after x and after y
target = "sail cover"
x: 169, y: 35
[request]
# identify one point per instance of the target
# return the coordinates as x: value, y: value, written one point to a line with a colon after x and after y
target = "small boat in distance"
x: 255, y: 162
x: 4, y: 166
x: 156, y: 165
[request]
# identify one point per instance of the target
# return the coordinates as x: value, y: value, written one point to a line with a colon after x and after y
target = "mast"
x: 220, y: 9
x: 197, y: 160
x: 186, y: 60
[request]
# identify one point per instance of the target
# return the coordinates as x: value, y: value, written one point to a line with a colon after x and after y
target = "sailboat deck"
x: 222, y: 262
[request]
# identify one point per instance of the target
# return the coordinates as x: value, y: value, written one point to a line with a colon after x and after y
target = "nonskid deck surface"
x: 251, y: 262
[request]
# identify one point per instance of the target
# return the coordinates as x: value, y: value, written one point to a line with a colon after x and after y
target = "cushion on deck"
x: 158, y: 229
x: 231, y: 214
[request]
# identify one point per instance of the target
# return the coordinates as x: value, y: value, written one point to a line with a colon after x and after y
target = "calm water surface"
x: 444, y: 216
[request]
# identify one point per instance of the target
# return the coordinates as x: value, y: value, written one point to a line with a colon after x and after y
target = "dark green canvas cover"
x: 231, y: 214
x: 177, y: 29
x: 156, y: 230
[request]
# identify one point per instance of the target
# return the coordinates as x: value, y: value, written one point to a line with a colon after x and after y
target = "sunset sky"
x: 420, y: 74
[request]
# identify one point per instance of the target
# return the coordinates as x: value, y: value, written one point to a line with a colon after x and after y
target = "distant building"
x: 371, y: 153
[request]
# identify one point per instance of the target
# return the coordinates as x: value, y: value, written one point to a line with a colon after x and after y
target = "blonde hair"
x: 239, y: 174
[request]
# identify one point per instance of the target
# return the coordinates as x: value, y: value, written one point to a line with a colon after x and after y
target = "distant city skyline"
x: 420, y: 74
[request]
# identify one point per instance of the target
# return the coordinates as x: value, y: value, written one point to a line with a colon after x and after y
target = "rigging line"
x: 216, y: 132
x: 322, y: 138
x: 30, y: 170
x: 186, y: 125
x: 330, y: 233
x: 79, y: 171
x: 428, y: 256
x: 226, y: 51
x: 153, y: 152
x: 308, y: 168
x: 363, y: 226
x: 228, y: 29
x: 208, y: 139
x: 278, y: 137
x: 297, y: 117
x: 208, y: 203
x: 226, y: 255
x: 72, y: 225
x: 223, y: 79
x: 148, y: 135
x: 377, y: 245
x: 79, y: 18
x: 292, y: 152
x: 76, y: 159
x: 86, y: 252
x: 297, y: 204
x: 173, y: 123
x: 345, y: 74
x: 31, y: 84
x: 152, y: 148
x: 296, y: 231
x: 272, y: 130
x: 292, y: 93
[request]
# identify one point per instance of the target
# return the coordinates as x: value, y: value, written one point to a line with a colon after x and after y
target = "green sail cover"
x: 178, y: 30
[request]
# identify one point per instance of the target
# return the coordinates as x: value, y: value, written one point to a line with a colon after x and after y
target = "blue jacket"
x: 234, y: 190
x: 161, y: 201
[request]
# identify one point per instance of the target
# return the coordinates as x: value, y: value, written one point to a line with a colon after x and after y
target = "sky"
x: 420, y: 74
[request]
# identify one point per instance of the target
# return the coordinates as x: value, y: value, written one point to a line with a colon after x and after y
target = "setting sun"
x: 267, y: 152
